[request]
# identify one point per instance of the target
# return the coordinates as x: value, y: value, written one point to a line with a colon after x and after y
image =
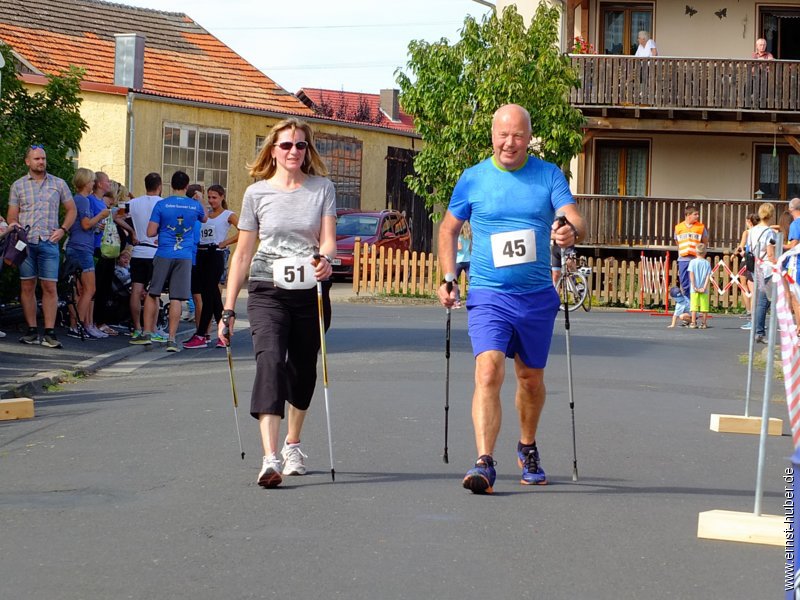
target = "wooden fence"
x: 613, y: 282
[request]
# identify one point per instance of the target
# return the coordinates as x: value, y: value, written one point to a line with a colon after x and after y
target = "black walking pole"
x: 447, y: 376
x: 562, y: 220
x: 227, y: 335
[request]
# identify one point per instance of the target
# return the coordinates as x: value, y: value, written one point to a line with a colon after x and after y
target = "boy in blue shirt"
x: 699, y: 276
x: 681, y: 307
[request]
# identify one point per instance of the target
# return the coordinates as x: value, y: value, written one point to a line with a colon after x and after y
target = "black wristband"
x: 227, y: 314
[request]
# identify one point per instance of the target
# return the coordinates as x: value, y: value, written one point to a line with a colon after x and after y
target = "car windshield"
x: 356, y: 225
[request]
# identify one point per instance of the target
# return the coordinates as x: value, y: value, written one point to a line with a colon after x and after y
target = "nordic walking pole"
x: 324, y: 369
x: 226, y: 333
x: 445, y: 458
x: 562, y: 220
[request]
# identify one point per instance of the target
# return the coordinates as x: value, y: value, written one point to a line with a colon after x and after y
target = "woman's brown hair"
x: 264, y: 167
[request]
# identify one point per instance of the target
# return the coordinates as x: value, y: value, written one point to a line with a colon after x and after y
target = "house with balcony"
x: 701, y: 123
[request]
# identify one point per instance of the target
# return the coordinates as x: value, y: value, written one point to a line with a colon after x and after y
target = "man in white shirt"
x: 647, y: 47
x: 144, y: 248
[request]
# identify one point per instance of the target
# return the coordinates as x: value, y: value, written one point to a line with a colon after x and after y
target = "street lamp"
x: 759, y: 194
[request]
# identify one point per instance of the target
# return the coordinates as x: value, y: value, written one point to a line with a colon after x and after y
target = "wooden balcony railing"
x: 644, y: 222
x: 687, y: 83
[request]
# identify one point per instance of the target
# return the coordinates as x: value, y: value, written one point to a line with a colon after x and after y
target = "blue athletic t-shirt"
x: 98, y: 206
x: 176, y: 217
x: 496, y: 200
x: 79, y: 238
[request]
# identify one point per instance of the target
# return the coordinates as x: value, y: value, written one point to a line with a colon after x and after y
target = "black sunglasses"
x: 301, y: 145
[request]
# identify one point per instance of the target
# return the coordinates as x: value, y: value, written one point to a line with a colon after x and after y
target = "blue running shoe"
x: 528, y: 460
x: 480, y: 478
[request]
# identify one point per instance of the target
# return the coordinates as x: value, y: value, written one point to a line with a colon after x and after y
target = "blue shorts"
x: 42, y: 261
x: 83, y: 258
x: 516, y: 324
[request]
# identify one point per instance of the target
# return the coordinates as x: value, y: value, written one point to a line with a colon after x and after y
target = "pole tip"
x: 445, y: 459
x: 242, y: 455
x: 575, y: 475
x: 333, y: 475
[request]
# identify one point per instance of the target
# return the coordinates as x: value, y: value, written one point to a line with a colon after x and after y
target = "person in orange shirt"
x: 688, y: 234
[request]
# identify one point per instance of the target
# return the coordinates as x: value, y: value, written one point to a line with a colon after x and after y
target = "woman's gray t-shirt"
x: 288, y: 222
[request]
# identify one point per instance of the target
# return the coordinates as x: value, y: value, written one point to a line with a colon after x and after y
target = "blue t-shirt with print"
x: 79, y: 238
x: 496, y: 200
x: 176, y: 217
x: 794, y: 230
x: 98, y: 206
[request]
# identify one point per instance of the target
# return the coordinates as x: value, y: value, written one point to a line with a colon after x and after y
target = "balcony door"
x: 778, y: 176
x: 622, y: 167
x: 620, y: 26
x: 780, y: 26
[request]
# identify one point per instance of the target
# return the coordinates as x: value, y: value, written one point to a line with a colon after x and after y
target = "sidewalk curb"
x: 34, y: 385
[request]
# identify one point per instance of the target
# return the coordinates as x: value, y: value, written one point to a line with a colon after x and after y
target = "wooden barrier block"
x: 741, y: 527
x: 16, y: 408
x: 742, y: 424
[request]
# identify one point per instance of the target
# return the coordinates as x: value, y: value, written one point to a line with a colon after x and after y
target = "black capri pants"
x: 285, y: 329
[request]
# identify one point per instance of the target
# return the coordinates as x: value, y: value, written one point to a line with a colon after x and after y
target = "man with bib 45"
x: 511, y: 200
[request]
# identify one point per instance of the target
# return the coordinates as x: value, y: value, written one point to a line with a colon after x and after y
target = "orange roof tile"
x: 346, y: 104
x: 181, y: 60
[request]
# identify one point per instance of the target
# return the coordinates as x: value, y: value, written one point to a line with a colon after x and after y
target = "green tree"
x: 51, y: 118
x: 453, y: 90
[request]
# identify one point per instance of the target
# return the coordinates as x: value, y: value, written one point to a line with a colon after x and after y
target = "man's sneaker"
x: 270, y: 474
x: 95, y: 332
x: 141, y: 340
x: 195, y: 341
x: 480, y: 478
x: 73, y: 333
x: 220, y: 344
x: 135, y: 335
x: 528, y: 460
x: 51, y: 341
x: 159, y: 336
x: 760, y: 339
x: 2, y: 334
x: 172, y: 346
x: 293, y: 459
x: 747, y: 326
x: 187, y: 316
x: 32, y: 337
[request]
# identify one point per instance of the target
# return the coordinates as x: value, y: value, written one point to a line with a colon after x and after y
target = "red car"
x: 387, y: 228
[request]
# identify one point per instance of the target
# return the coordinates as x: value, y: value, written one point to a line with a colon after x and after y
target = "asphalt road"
x: 129, y: 484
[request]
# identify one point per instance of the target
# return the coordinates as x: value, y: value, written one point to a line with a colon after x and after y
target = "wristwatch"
x: 449, y: 278
x: 64, y: 229
x: 227, y: 314
x: 328, y: 258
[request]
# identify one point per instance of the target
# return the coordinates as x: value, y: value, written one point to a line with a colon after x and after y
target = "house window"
x: 342, y: 156
x: 777, y: 176
x: 620, y: 25
x: 200, y: 152
x: 260, y: 139
x: 780, y: 26
x: 622, y: 167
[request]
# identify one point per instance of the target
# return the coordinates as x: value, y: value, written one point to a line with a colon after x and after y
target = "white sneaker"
x: 270, y: 475
x: 93, y: 331
x: 2, y: 334
x: 293, y: 459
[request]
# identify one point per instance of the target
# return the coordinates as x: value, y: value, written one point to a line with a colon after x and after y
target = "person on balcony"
x: 647, y: 47
x: 688, y: 234
x: 761, y: 50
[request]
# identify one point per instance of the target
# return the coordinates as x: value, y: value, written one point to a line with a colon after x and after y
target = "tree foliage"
x: 453, y: 90
x: 50, y: 117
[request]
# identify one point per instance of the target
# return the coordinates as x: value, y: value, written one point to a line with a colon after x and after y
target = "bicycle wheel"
x: 576, y: 290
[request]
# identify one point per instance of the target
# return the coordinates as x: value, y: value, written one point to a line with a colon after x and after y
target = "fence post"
x: 356, y: 265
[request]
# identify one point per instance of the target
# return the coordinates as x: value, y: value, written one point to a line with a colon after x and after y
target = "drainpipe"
x: 131, y: 134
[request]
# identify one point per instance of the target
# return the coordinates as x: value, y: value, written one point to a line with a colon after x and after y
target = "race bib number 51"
x: 294, y: 273
x: 514, y: 247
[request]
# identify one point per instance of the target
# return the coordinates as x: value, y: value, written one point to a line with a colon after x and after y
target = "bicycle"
x: 575, y: 276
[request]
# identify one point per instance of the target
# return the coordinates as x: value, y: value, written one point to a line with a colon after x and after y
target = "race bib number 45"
x: 294, y: 273
x: 514, y: 247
